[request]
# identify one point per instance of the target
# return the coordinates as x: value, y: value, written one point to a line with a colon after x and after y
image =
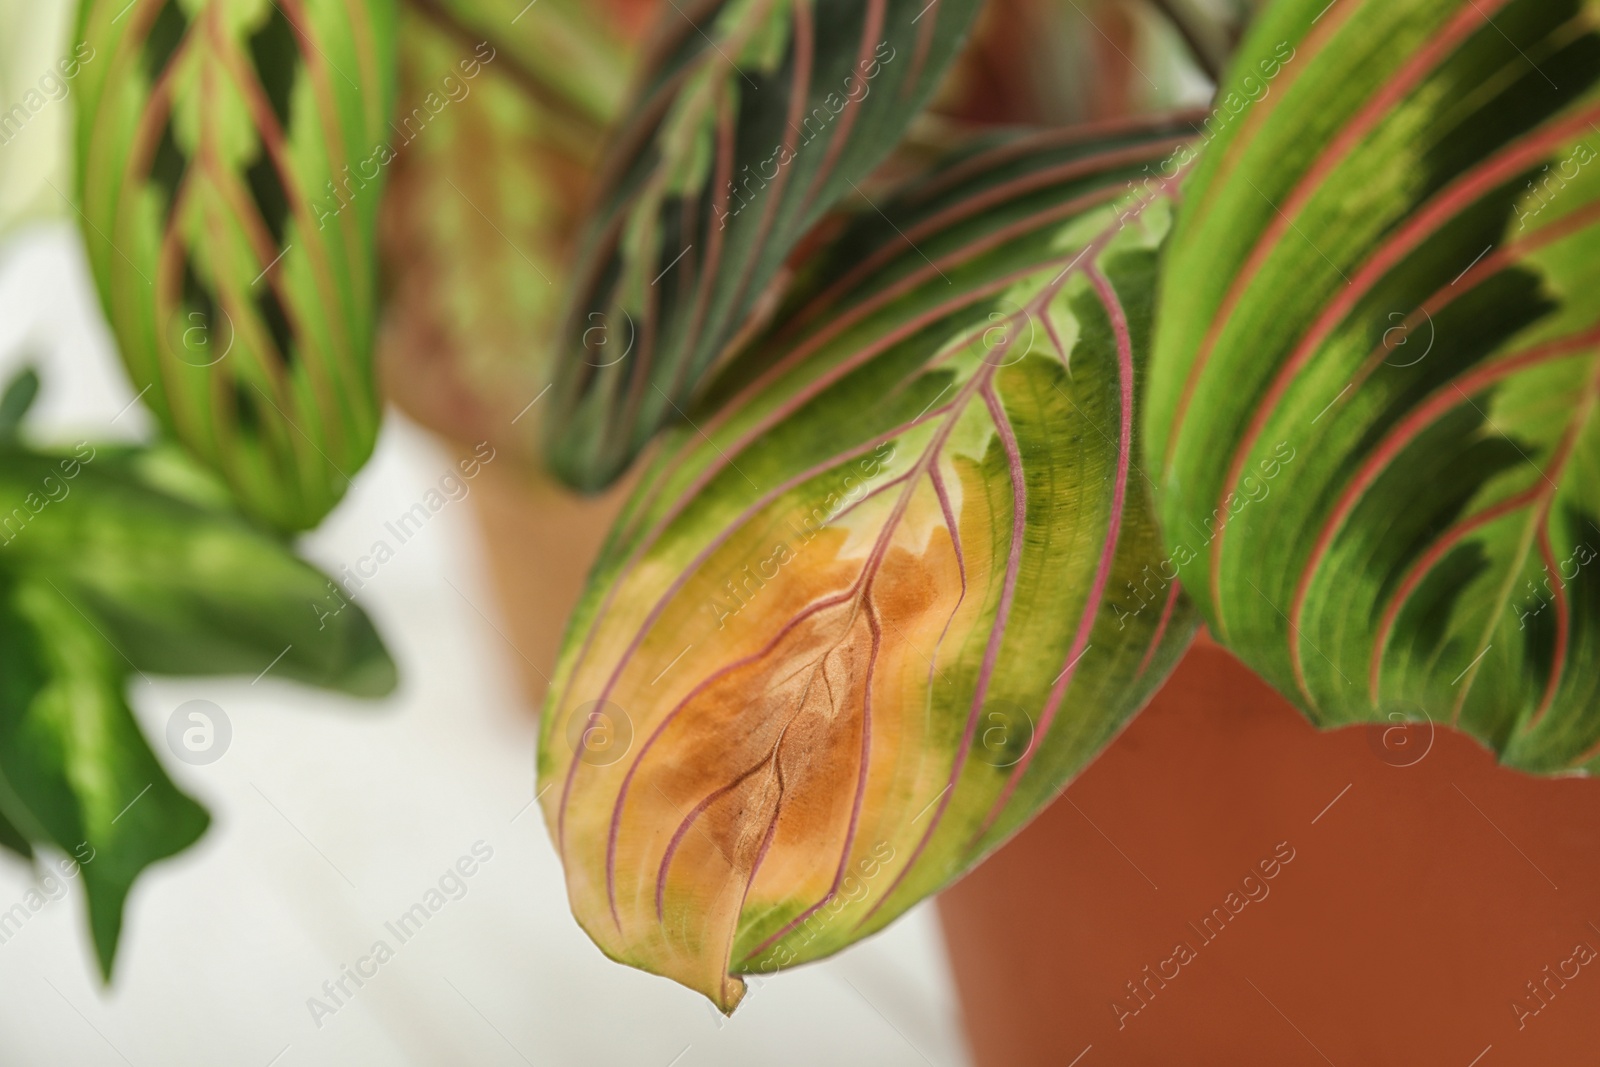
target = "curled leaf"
x: 895, y: 585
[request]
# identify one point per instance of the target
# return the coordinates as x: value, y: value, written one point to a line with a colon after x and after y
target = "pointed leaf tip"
x: 898, y: 587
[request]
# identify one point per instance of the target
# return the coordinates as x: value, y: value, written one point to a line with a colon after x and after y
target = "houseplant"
x: 1306, y: 251
x: 956, y: 436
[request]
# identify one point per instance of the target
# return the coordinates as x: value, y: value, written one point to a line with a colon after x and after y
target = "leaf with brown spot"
x: 896, y: 585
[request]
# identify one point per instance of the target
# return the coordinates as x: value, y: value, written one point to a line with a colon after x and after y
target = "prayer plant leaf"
x: 115, y: 562
x: 1374, y: 386
x: 757, y: 116
x: 231, y: 157
x: 570, y: 57
x: 892, y: 590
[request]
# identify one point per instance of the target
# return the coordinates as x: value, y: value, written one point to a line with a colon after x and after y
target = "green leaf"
x: 1374, y: 387
x: 19, y: 395
x: 568, y: 57
x: 757, y: 116
x: 177, y: 587
x: 13, y: 840
x: 74, y: 769
x: 231, y: 158
x: 478, y: 221
x: 116, y: 562
x: 898, y: 583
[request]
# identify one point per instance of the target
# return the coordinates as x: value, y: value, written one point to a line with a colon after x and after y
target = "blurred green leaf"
x: 19, y: 396
x: 74, y: 769
x: 13, y: 839
x: 180, y: 589
x: 231, y: 157
x: 478, y: 219
x: 755, y: 118
x: 114, y: 563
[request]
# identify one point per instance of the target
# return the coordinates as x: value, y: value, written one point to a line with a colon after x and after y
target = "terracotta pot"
x: 1415, y: 888
x: 1359, y: 897
x: 540, y: 540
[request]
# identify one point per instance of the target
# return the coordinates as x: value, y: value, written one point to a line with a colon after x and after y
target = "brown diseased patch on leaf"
x: 751, y: 785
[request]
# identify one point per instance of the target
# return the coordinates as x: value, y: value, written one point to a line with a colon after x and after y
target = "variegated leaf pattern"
x: 116, y: 564
x: 500, y: 124
x: 75, y: 772
x: 175, y: 577
x: 231, y: 155
x: 756, y: 117
x: 897, y: 582
x: 1374, y: 389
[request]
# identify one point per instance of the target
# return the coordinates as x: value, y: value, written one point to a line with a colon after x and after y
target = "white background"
x: 332, y: 816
